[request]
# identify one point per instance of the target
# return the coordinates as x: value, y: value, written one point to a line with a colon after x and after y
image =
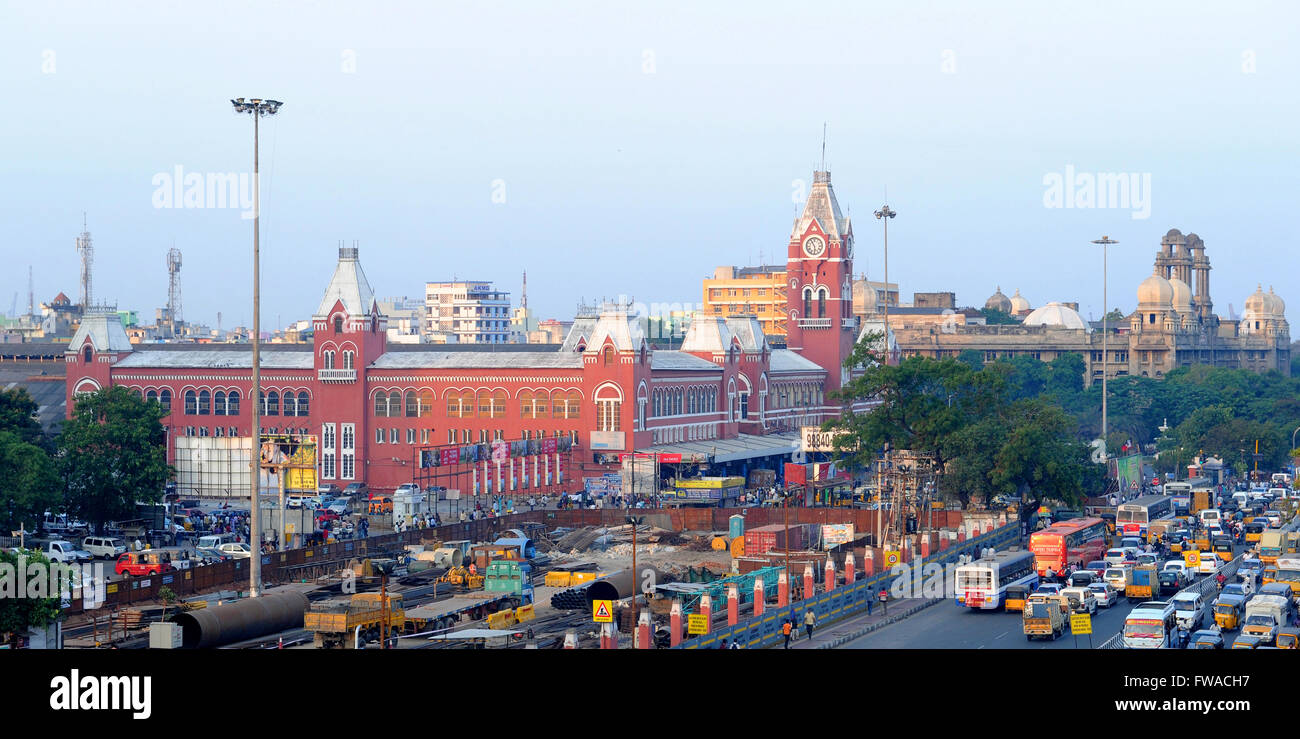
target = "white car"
x: 1105, y: 594
x: 1181, y: 566
x: 104, y: 547
x: 1082, y: 600
x: 236, y: 549
x: 1117, y: 577
x: 407, y: 487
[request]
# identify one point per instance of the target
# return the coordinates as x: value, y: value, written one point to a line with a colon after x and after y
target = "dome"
x: 998, y: 301
x: 1257, y: 305
x: 1182, y: 297
x: 1276, y: 305
x: 1057, y: 315
x: 1155, y: 291
x: 1018, y: 304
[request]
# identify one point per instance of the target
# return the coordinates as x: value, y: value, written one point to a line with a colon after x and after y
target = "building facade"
x: 466, y: 312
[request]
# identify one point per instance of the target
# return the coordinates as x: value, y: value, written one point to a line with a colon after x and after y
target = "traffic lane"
x: 949, y: 626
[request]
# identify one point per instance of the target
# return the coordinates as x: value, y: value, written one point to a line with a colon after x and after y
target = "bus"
x: 1132, y: 518
x: 983, y: 583
x: 1062, y: 544
x: 1288, y: 571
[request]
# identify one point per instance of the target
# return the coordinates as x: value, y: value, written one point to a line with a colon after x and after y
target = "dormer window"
x: 609, y: 356
x: 338, y: 324
x: 86, y: 354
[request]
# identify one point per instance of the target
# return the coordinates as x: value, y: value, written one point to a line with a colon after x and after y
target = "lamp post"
x: 884, y: 214
x: 1105, y: 241
x: 257, y: 108
x: 636, y: 575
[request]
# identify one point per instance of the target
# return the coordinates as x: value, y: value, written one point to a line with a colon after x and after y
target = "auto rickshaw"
x: 1202, y: 540
x: 1223, y: 548
x: 1015, y: 598
x: 1177, y: 540
x: 1254, y: 530
x: 1227, y: 611
x: 1288, y: 637
x: 1292, y: 542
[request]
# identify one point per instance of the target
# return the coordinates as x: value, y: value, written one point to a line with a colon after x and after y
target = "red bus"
x: 1059, y: 546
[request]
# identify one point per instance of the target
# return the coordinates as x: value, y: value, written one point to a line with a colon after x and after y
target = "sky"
x: 630, y: 148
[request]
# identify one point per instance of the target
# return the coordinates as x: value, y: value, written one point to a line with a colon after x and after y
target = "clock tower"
x: 820, y: 324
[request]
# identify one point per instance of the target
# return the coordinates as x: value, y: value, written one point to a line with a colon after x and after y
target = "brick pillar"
x: 848, y: 569
x: 760, y: 596
x: 675, y: 623
x: 733, y: 605
x: 925, y: 546
x: 830, y: 575
x: 782, y: 589
x: 868, y: 562
x: 808, y: 581
x: 643, y: 632
x: 608, y: 636
x: 706, y: 610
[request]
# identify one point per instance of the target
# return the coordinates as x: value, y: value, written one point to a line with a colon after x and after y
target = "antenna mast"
x: 31, y: 293
x: 174, y: 286
x: 87, y: 253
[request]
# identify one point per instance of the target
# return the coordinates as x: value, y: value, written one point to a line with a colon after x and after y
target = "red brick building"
x: 726, y: 397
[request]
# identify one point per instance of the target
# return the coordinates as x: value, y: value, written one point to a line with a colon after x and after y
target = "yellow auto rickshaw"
x: 1254, y: 530
x: 1227, y: 611
x: 1015, y: 598
x: 1202, y: 540
x: 1288, y: 637
x: 1223, y: 548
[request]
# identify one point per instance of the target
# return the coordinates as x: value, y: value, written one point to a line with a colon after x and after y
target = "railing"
x: 336, y: 375
x: 814, y: 322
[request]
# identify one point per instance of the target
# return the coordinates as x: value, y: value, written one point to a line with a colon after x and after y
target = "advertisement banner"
x: 450, y: 456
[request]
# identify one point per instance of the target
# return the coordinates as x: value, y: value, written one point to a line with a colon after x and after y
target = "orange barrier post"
x: 782, y: 589
x: 760, y: 596
x: 675, y: 623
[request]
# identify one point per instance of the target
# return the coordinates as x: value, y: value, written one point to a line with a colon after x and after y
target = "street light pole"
x: 636, y: 578
x: 884, y: 214
x: 257, y: 108
x: 1105, y: 241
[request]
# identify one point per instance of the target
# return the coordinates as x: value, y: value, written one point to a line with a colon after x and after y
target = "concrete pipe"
x: 621, y: 584
x: 240, y: 621
x: 449, y: 557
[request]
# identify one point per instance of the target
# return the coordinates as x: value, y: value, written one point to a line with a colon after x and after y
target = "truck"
x: 1271, y: 545
x: 1143, y: 583
x: 506, y: 587
x: 59, y: 550
x: 1201, y: 500
x: 341, y: 623
x: 1265, y: 614
x: 1045, y: 615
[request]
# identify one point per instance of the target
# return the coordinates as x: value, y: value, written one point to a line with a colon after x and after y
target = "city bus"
x: 983, y: 583
x: 1134, y: 517
x: 1062, y: 544
x: 1288, y: 571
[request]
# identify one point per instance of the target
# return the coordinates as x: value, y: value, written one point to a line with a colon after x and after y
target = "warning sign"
x: 1192, y: 558
x: 696, y: 624
x: 892, y: 559
x: 602, y: 611
x: 1080, y: 624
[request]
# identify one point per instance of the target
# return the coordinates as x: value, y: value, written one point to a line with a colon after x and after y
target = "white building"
x: 465, y: 312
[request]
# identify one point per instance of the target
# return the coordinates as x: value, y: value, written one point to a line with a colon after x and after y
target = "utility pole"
x: 1105, y: 241
x: 257, y: 108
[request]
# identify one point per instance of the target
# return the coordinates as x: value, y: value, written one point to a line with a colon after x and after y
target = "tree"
x: 29, y: 485
x: 1041, y: 460
x: 17, y: 615
x: 112, y: 454
x: 1115, y: 316
x: 18, y: 414
x: 995, y: 317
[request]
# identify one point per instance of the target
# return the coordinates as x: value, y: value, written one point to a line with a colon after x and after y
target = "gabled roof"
x: 619, y: 326
x: 579, y: 332
x: 707, y: 334
x: 823, y: 208
x: 104, y: 331
x: 348, y: 285
x: 749, y: 332
x: 680, y: 360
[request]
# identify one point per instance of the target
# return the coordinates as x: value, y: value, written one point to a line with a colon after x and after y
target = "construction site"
x: 537, y: 580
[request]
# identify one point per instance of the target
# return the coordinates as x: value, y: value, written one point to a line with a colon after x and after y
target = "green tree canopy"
x: 29, y: 484
x: 18, y: 614
x: 112, y: 454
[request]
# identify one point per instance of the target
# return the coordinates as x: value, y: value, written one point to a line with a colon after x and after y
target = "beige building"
x: 1173, y: 326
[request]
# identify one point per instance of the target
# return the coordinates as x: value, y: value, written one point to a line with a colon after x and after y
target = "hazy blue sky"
x: 642, y: 144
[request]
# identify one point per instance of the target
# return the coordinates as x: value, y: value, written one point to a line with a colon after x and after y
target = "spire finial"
x: 823, y: 146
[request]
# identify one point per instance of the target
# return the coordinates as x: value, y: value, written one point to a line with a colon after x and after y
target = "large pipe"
x: 245, y: 619
x: 621, y: 584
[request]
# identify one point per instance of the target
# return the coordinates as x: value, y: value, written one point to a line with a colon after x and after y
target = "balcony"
x: 336, y: 375
x: 814, y: 322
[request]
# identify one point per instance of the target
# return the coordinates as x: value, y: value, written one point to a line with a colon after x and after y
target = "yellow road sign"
x: 1192, y: 558
x: 893, y: 558
x: 1080, y: 624
x: 602, y: 611
x: 696, y: 624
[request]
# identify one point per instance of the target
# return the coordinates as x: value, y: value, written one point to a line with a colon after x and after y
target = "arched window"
x: 543, y: 401
x: 271, y: 403
x: 460, y: 405
x: 558, y: 405
x: 219, y: 404
x: 232, y: 404
x: 165, y: 399
x: 304, y: 403
x: 484, y: 403
x: 86, y: 354
x: 412, y: 404
x: 609, y: 410
x: 394, y: 404
x: 426, y: 404
x: 327, y: 359
x: 205, y: 402
x: 574, y: 406
x: 381, y: 404
x: 526, y: 404
x: 347, y: 360
x: 499, y: 398
x: 821, y: 303
x: 338, y: 324
x: 609, y: 356
x: 807, y: 300
x: 151, y: 395
x: 136, y: 392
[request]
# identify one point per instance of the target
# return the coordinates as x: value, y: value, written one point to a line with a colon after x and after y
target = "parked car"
x: 330, y: 489
x: 1105, y: 594
x: 65, y: 552
x: 339, y: 506
x: 237, y: 550
x: 407, y: 487
x: 357, y: 489
x: 103, y: 547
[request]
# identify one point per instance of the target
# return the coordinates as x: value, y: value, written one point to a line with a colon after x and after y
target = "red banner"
x: 549, y: 446
x: 451, y: 456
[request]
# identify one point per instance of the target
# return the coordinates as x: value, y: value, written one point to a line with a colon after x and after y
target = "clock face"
x: 813, y: 246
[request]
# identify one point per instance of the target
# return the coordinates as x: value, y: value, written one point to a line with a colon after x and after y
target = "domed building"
x: 998, y: 301
x: 1020, y: 306
x: 1174, y: 325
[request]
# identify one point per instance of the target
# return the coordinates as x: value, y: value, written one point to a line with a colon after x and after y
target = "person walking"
x: 786, y: 628
x: 809, y: 621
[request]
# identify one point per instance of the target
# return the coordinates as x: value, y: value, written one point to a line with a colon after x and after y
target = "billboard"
x: 813, y: 439
x: 291, y: 459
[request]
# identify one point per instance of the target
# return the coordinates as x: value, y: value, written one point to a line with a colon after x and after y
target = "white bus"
x: 1149, y: 625
x: 1132, y: 519
x: 983, y: 583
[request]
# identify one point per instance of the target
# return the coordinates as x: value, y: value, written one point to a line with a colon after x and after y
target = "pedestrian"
x: 809, y: 621
x: 786, y: 628
x: 722, y: 644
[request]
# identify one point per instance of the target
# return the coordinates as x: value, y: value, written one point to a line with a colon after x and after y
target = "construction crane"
x: 87, y: 253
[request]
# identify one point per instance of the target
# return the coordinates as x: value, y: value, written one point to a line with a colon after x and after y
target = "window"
x: 609, y: 411
x: 203, y: 431
x: 821, y: 303
x: 189, y: 430
x: 426, y: 404
x: 328, y: 359
x: 304, y: 403
x: 219, y: 404
x: 393, y: 437
x: 349, y: 450
x: 807, y: 301
x: 451, y: 436
x: 191, y: 404
x: 271, y: 403
x: 412, y: 404
x: 347, y: 360
x: 86, y: 354
x: 232, y: 404
x: 381, y: 404
x: 151, y: 395
x: 349, y: 466
x: 744, y: 405
x: 379, y: 436
x: 609, y: 356
x: 218, y: 431
x: 338, y: 324
x: 232, y: 432
x: 424, y: 436
x: 165, y: 399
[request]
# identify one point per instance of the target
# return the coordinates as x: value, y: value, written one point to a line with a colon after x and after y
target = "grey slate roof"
x: 105, y: 332
x: 676, y: 360
x: 349, y: 285
x: 784, y: 360
x: 216, y: 359
x: 478, y: 360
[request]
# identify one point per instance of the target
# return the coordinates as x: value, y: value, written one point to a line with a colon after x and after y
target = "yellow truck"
x: 1271, y: 544
x: 334, y: 623
x: 1045, y: 615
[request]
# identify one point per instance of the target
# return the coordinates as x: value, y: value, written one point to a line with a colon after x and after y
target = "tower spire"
x: 823, y: 146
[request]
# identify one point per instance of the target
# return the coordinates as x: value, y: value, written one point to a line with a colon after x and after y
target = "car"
x: 1118, y: 577
x: 1134, y: 542
x: 1081, y: 600
x: 1116, y: 556
x: 1171, y: 581
x: 407, y: 487
x: 1049, y: 588
x: 326, y: 515
x: 330, y: 489
x: 1098, y: 566
x: 103, y: 547
x: 210, y: 555
x: 381, y: 504
x: 1148, y: 558
x: 1081, y: 579
x: 1105, y: 594
x: 237, y: 550
x: 1206, y: 639
x: 1177, y: 564
x: 356, y: 489
x: 59, y: 550
x: 1247, y: 641
x: 1238, y: 588
x: 339, y: 506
